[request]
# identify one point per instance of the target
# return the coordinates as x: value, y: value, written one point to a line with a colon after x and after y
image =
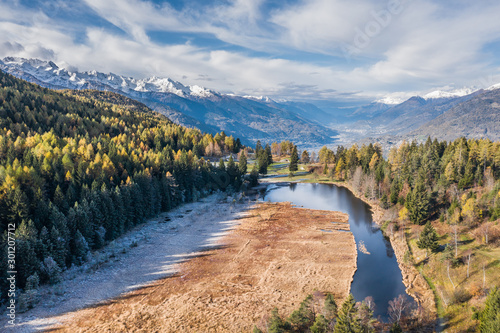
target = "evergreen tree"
x: 330, y: 307
x: 262, y: 162
x: 242, y: 164
x: 27, y: 262
x: 417, y: 203
x: 81, y: 248
x: 320, y: 325
x: 269, y: 155
x: 254, y: 176
x: 276, y: 324
x: 222, y: 166
x: 258, y: 148
x: 294, y: 159
x: 19, y: 207
x: 303, y: 318
x: 347, y: 321
x: 428, y: 238
x: 232, y: 171
x: 490, y: 316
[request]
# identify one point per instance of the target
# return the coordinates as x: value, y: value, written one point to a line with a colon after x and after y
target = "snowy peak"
x: 389, y: 100
x: 449, y: 93
x: 49, y: 72
x: 259, y: 98
x: 494, y: 87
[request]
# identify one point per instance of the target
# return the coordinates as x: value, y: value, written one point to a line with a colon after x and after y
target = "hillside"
x: 478, y: 117
x: 78, y: 169
x: 192, y: 106
x: 413, y: 113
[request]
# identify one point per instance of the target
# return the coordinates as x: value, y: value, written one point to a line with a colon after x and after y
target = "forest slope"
x: 77, y: 172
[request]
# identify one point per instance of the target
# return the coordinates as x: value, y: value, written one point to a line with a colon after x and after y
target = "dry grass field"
x: 274, y: 258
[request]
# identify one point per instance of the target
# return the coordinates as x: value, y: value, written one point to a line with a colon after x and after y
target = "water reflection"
x: 377, y: 274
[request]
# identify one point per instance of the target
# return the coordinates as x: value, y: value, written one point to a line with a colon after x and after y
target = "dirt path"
x: 149, y: 252
x: 275, y: 257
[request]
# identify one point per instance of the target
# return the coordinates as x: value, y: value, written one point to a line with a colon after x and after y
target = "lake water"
x: 378, y: 274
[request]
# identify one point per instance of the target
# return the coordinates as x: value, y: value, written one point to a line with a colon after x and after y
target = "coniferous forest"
x: 77, y: 169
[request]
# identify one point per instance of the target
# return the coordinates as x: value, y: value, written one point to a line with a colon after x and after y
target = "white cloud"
x: 423, y: 44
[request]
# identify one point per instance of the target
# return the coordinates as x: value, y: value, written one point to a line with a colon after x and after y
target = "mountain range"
x: 439, y: 114
x: 250, y: 118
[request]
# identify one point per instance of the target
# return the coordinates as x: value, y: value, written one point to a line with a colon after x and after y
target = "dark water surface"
x: 378, y: 273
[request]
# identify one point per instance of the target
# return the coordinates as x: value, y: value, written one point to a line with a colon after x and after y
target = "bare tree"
x: 485, y: 231
x: 369, y: 301
x: 398, y: 308
x: 445, y: 299
x: 356, y: 179
x: 371, y: 186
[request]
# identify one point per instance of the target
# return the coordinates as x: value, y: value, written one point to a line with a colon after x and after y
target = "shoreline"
x: 416, y: 286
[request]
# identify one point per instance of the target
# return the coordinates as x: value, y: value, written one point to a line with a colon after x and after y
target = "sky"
x: 342, y: 50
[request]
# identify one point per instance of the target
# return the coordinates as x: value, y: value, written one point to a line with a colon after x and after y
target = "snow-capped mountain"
x: 450, y: 93
x: 50, y: 73
x: 494, y: 87
x: 250, y: 118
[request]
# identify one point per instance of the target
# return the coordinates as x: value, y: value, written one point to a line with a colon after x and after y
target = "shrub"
x: 51, y: 270
x: 460, y: 296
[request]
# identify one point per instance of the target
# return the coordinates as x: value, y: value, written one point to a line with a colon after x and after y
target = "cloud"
x: 9, y: 48
x: 420, y: 45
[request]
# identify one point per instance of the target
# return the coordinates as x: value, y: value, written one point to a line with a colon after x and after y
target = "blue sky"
x: 294, y: 49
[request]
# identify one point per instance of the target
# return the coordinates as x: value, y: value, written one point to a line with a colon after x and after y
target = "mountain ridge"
x: 192, y: 106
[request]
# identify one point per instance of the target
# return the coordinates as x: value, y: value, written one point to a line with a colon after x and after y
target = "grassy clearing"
x: 458, y: 296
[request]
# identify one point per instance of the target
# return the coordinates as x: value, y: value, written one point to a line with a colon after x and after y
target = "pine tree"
x: 81, y: 248
x: 254, y: 176
x: 258, y: 148
x: 232, y: 171
x: 490, y: 316
x: 19, y: 208
x: 303, y: 318
x: 294, y: 159
x: 222, y: 166
x: 347, y: 321
x: 276, y: 324
x: 269, y: 155
x: 262, y: 162
x: 330, y: 307
x: 417, y: 203
x: 428, y: 238
x: 320, y: 325
x: 242, y: 164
